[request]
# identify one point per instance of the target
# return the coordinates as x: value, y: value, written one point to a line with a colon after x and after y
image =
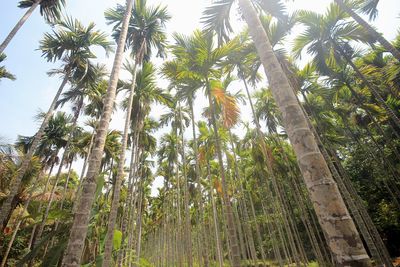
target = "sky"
x: 33, y: 90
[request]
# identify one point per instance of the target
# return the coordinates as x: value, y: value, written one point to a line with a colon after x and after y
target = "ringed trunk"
x: 81, y: 217
x: 120, y: 175
x: 342, y: 236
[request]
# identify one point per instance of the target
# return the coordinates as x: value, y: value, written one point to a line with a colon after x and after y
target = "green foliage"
x: 50, y: 9
x: 4, y: 74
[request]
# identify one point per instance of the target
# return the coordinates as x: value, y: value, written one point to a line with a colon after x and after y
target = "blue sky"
x: 33, y: 90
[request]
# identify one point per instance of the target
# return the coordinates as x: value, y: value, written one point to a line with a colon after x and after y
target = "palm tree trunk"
x: 63, y: 198
x: 342, y: 235
x: 81, y: 219
x: 186, y: 196
x: 178, y: 200
x: 131, y: 202
x: 233, y: 240
x: 131, y: 190
x: 217, y: 237
x: 120, y: 175
x: 139, y: 227
x: 16, y: 183
x: 20, y: 219
x: 18, y: 26
x: 246, y: 226
x: 198, y: 191
x: 385, y: 43
x: 82, y: 175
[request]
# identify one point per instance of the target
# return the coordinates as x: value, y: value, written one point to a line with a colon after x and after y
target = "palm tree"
x: 49, y: 9
x: 146, y: 31
x: 178, y: 118
x: 146, y: 93
x: 327, y: 38
x: 77, y: 94
x: 55, y: 139
x: 81, y: 218
x: 370, y: 7
x: 3, y: 71
x: 71, y: 42
x: 341, y: 233
x: 199, y: 57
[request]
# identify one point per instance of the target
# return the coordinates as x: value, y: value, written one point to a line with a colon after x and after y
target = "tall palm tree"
x: 178, y: 118
x: 49, y: 9
x: 55, y: 139
x: 146, y: 93
x: 199, y: 58
x: 146, y: 32
x: 76, y: 94
x: 341, y: 233
x: 81, y: 218
x: 369, y: 6
x: 72, y: 43
x: 327, y: 38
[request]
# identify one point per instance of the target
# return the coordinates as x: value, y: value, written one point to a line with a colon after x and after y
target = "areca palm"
x: 49, y: 9
x: 199, y: 58
x: 146, y: 31
x: 146, y: 93
x: 81, y: 218
x: 187, y: 87
x: 369, y: 7
x: 55, y: 139
x: 179, y: 120
x: 319, y: 181
x: 327, y: 38
x: 72, y: 43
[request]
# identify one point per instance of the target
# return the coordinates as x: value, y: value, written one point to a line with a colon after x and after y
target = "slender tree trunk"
x: 78, y: 192
x: 33, y: 233
x: 385, y: 43
x: 139, y: 227
x: 198, y: 198
x: 81, y: 219
x: 234, y: 246
x: 178, y: 200
x: 217, y: 237
x: 62, y: 201
x: 120, y: 175
x: 186, y: 197
x: 242, y: 202
x: 20, y: 219
x: 128, y: 207
x: 342, y: 235
x: 18, y: 26
x: 16, y: 182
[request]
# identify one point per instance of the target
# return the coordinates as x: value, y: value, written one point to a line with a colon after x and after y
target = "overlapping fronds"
x: 228, y: 104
